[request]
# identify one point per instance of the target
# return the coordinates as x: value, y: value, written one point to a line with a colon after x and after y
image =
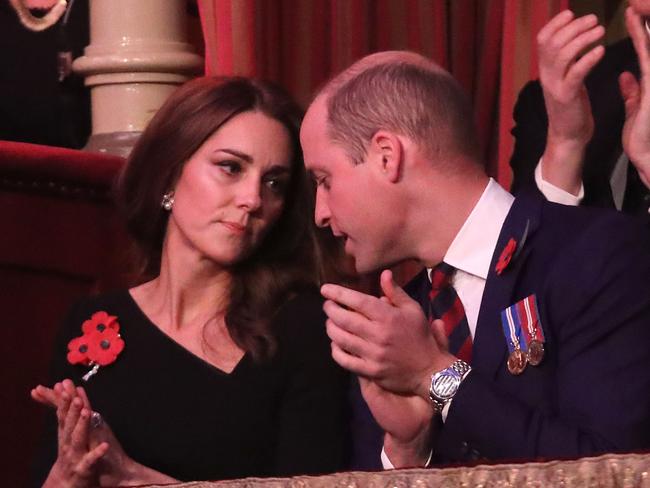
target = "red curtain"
x: 488, y: 45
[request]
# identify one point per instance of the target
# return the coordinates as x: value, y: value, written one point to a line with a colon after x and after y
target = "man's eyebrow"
x: 315, y: 173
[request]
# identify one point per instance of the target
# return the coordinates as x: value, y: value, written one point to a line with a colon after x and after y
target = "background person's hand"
x: 636, y: 94
x: 562, y: 72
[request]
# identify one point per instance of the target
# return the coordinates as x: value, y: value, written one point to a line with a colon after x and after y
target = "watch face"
x: 445, y: 384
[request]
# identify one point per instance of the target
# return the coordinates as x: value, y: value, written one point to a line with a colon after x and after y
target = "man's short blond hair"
x: 405, y: 93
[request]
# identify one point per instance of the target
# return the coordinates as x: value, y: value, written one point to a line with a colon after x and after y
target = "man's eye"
x: 230, y: 167
x: 324, y: 182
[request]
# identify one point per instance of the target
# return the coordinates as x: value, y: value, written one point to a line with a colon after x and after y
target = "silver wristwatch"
x: 445, y: 383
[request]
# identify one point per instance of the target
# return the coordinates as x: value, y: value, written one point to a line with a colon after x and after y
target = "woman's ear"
x: 387, y: 153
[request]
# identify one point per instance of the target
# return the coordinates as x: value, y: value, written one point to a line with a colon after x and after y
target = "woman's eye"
x: 230, y: 167
x: 276, y: 184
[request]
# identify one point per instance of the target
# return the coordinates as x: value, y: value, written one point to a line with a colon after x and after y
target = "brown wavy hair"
x: 284, y: 261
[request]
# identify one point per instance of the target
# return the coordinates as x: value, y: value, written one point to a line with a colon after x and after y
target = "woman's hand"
x: 115, y: 466
x: 76, y: 463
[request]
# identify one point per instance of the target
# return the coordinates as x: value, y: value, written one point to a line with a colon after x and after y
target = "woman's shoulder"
x: 301, y: 316
x: 301, y: 303
x: 114, y: 303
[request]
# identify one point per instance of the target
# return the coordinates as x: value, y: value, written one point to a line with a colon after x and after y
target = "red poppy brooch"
x: 99, y: 345
x: 506, y: 256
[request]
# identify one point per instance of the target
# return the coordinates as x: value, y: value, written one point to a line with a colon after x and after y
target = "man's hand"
x: 562, y: 74
x: 636, y: 131
x: 387, y: 340
x: 406, y: 421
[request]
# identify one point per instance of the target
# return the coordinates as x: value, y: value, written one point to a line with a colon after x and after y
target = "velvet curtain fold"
x: 488, y: 45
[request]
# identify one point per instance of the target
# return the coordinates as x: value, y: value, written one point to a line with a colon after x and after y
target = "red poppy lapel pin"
x: 506, y: 256
x: 99, y: 345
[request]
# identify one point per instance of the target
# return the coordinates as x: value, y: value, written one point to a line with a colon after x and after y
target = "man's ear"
x: 387, y: 153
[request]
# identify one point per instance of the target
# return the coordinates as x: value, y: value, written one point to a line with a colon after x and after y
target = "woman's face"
x: 232, y: 190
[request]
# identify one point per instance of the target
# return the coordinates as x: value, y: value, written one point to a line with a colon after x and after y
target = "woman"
x: 219, y: 365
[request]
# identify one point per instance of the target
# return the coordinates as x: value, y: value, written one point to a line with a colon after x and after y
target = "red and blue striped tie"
x: 444, y: 304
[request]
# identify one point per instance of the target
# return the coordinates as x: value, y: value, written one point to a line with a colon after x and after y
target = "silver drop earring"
x: 168, y: 200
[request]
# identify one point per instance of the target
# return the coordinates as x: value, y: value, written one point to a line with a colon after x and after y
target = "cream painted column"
x: 138, y: 54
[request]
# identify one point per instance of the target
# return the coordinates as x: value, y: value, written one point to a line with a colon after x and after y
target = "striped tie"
x: 444, y: 304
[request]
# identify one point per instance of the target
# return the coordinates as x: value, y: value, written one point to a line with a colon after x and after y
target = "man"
x: 586, y: 99
x: 391, y: 146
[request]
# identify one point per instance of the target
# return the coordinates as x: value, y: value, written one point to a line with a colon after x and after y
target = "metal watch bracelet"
x: 452, y: 380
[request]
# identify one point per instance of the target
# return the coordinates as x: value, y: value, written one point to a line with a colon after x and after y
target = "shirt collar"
x: 472, y: 249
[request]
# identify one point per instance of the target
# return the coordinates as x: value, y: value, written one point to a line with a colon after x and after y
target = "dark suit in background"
x: 34, y: 105
x: 605, y: 147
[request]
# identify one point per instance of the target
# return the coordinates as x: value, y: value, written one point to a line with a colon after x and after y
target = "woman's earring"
x: 168, y: 200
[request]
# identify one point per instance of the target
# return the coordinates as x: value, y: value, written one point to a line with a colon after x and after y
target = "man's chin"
x: 366, y: 266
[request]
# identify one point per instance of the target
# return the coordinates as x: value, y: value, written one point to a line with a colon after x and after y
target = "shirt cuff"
x: 385, y: 462
x: 555, y: 194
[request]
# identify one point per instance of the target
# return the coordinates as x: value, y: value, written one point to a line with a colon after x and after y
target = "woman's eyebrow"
x: 236, y: 153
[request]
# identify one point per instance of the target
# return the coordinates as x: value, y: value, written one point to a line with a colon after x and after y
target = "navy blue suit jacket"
x: 590, y: 271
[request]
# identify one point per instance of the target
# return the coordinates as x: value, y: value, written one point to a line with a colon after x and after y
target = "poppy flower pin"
x: 506, y: 256
x: 100, y: 344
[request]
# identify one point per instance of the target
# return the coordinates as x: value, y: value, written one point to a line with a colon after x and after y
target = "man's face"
x: 350, y: 198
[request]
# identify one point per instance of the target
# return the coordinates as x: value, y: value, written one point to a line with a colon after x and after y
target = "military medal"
x: 532, y: 330
x: 535, y: 352
x: 517, y: 362
x: 517, y: 359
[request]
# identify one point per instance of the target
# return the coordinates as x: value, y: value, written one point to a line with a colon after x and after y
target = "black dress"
x: 177, y: 414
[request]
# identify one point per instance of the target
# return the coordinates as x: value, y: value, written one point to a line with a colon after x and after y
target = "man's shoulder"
x: 584, y: 242
x: 561, y: 229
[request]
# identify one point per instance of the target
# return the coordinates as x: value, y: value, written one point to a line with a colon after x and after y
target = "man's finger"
x: 350, y: 343
x: 438, y: 330
x: 352, y: 363
x: 350, y: 320
x: 392, y: 290
x: 367, y: 305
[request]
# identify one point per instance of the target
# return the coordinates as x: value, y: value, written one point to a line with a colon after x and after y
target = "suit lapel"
x: 490, y: 350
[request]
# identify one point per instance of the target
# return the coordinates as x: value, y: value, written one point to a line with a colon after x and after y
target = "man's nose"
x: 322, y: 212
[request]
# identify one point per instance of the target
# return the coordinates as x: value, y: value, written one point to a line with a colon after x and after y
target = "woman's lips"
x: 235, y: 227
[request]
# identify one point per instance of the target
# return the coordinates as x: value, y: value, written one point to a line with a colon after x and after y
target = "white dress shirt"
x: 617, y: 183
x: 471, y: 253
